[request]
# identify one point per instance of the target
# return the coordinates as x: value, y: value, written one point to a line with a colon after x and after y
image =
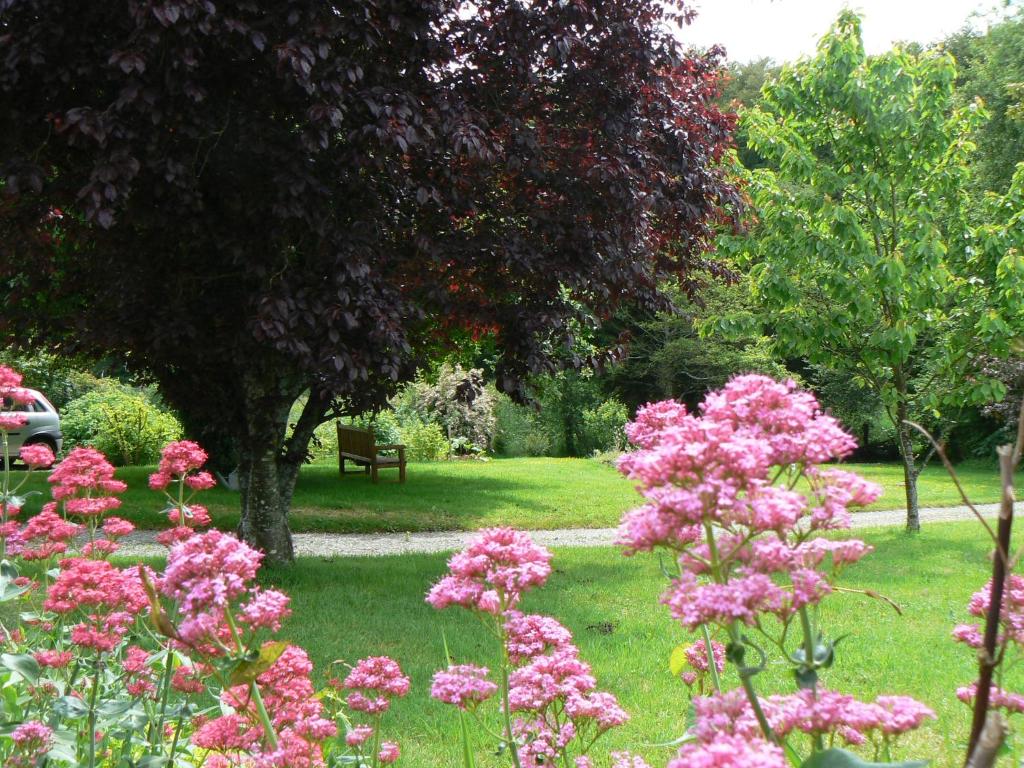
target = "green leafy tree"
x: 681, y: 355
x: 861, y: 256
x: 991, y: 67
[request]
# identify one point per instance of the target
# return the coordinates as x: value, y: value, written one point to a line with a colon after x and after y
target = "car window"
x: 34, y: 407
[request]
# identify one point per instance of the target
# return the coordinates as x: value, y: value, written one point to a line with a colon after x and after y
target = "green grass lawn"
x: 528, y: 493
x: 349, y: 608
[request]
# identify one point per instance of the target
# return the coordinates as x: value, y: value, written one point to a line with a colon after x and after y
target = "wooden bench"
x: 359, y: 445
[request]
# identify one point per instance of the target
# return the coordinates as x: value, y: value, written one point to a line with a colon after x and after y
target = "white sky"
x: 786, y: 29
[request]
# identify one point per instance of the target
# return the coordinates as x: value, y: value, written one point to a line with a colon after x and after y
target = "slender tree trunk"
x: 266, y: 475
x: 266, y: 497
x: 910, y: 469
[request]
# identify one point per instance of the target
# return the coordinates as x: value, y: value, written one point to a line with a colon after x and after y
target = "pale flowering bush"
x: 736, y: 495
x: 552, y: 710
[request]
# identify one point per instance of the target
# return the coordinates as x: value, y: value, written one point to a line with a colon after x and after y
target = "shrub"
x: 603, y: 427
x: 424, y: 442
x: 126, y: 426
x: 517, y: 430
x: 457, y: 400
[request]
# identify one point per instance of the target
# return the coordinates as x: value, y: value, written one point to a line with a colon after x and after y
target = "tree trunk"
x: 266, y: 497
x: 267, y: 473
x: 910, y: 470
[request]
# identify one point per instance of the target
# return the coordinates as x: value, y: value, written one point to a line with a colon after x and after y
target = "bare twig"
x: 1009, y: 458
x: 956, y: 480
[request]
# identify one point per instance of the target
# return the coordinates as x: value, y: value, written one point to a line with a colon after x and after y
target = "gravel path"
x: 141, y: 544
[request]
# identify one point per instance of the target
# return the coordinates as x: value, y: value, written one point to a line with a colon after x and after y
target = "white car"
x: 43, y: 426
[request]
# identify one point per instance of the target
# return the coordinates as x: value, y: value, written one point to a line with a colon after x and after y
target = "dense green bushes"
x: 129, y: 427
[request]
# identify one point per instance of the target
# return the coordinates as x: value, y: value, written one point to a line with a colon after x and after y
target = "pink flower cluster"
x: 208, y: 613
x: 727, y: 717
x: 11, y: 394
x: 368, y: 689
x: 697, y: 662
x: 745, y: 544
x: 181, y: 463
x: 463, y: 686
x: 551, y: 690
x: 37, y: 456
x: 373, y: 682
x: 83, y: 480
x: 105, y: 600
x: 295, y: 714
x: 32, y: 740
x: 493, y: 572
x: 1011, y: 633
x: 211, y: 575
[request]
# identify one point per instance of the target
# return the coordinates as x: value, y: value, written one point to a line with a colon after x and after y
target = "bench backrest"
x: 357, y: 441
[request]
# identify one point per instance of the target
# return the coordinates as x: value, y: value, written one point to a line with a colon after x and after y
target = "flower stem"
x: 156, y: 737
x: 509, y: 737
x: 261, y: 709
x: 712, y: 666
x: 810, y: 663
x: 92, y: 711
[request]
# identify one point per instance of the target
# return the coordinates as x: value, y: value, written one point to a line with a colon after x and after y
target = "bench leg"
x: 366, y: 469
x: 401, y: 473
x: 341, y: 465
x: 373, y: 472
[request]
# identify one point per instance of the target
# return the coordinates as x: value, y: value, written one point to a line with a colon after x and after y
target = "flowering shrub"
x: 752, y: 564
x: 553, y: 712
x: 117, y: 666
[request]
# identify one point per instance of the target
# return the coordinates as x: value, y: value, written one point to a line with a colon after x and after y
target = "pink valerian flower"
x: 10, y: 386
x: 546, y: 678
x: 31, y: 740
x: 265, y: 609
x: 358, y: 735
x: 205, y: 573
x: 373, y: 682
x: 191, y: 515
x: 295, y: 713
x: 462, y: 685
x: 106, y: 599
x: 1011, y: 615
x: 741, y: 599
x: 821, y: 712
x: 189, y: 680
x: 9, y: 421
x: 37, y: 456
x: 84, y: 470
x: 787, y: 419
x: 627, y: 760
x: 53, y: 659
x: 999, y: 698
x: 728, y: 751
x: 227, y: 734
x: 201, y: 481
x: 181, y: 457
x: 599, y: 707
x: 176, y: 535
x: 697, y: 661
x: 45, y: 535
x: 492, y: 572
x: 389, y: 752
x: 529, y: 635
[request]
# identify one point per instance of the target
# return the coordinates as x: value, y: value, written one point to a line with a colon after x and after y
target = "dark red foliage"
x: 307, y: 194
